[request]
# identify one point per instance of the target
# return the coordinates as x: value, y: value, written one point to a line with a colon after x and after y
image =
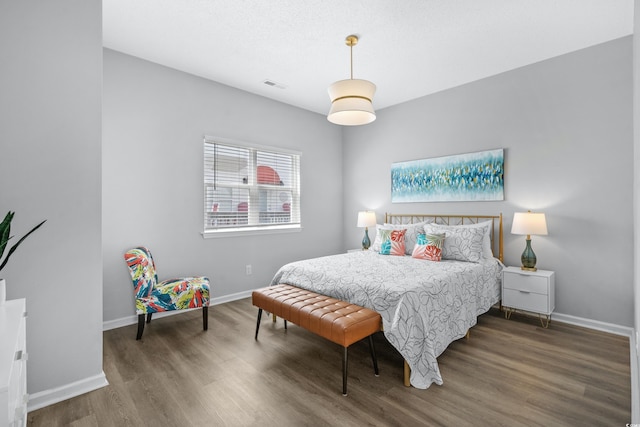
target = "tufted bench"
x: 333, y: 319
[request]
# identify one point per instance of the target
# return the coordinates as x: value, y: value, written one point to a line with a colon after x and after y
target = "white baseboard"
x: 133, y: 319
x: 58, y: 394
x: 593, y: 324
x: 558, y: 317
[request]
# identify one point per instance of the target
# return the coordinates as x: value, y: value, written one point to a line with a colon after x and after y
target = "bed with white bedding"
x: 425, y: 305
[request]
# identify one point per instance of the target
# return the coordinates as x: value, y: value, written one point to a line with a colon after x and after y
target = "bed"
x: 425, y: 304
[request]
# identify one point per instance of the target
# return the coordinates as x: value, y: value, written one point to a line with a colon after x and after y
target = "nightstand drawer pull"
x: 524, y: 292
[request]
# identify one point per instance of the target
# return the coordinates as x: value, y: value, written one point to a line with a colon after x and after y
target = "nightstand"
x: 532, y: 291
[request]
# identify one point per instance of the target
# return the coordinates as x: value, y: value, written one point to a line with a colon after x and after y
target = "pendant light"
x: 351, y: 99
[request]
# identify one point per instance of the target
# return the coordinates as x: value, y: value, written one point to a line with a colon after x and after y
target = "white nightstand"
x: 532, y: 291
x: 356, y: 250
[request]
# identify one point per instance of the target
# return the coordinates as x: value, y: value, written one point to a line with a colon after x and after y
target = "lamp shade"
x: 528, y: 223
x: 351, y: 102
x: 366, y: 218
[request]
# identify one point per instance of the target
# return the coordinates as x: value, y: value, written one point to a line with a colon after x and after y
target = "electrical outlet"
x: 248, y: 269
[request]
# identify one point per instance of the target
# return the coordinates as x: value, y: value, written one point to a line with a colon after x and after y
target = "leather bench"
x: 338, y: 321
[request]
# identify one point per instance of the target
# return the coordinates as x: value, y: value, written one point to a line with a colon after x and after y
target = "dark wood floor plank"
x: 510, y: 372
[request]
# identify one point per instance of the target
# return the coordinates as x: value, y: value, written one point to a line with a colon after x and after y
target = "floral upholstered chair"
x: 173, y: 294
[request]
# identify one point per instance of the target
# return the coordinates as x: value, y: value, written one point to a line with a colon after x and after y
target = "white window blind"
x: 249, y: 188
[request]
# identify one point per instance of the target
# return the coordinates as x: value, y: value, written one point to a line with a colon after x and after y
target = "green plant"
x: 5, y: 231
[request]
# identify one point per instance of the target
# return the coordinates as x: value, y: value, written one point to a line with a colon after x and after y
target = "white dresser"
x: 13, y: 364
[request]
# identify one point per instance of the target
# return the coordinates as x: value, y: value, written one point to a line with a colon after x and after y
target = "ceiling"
x: 408, y: 48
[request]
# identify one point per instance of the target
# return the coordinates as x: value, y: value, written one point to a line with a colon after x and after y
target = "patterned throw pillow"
x: 377, y: 242
x: 462, y: 243
x: 392, y: 242
x: 409, y: 238
x: 429, y: 246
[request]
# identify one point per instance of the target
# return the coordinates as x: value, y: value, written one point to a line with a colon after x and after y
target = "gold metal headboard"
x: 454, y: 220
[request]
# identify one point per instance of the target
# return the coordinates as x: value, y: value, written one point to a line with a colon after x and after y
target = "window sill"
x: 251, y: 231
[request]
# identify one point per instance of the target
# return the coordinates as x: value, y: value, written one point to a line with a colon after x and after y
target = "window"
x: 248, y: 188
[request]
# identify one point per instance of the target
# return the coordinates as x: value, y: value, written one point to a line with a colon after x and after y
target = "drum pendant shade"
x: 351, y: 100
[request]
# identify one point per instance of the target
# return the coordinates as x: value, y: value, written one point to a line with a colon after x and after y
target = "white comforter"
x: 424, y: 305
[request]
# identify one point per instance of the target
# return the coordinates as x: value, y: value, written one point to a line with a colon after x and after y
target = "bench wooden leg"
x: 345, y: 361
x: 258, y: 324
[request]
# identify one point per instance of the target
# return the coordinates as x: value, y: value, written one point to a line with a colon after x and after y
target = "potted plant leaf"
x: 5, y: 236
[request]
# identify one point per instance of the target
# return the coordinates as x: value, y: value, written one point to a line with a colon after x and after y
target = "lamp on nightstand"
x: 528, y: 223
x: 366, y: 219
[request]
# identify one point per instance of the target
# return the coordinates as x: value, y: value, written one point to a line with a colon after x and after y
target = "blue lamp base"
x: 528, y: 257
x: 365, y: 241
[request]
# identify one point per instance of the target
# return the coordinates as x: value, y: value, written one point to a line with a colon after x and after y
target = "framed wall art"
x: 459, y: 178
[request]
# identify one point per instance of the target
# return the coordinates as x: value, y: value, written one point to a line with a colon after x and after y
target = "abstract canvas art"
x: 463, y: 177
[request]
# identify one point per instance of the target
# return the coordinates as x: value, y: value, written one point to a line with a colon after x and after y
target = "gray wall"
x: 567, y: 130
x: 154, y: 122
x: 50, y: 115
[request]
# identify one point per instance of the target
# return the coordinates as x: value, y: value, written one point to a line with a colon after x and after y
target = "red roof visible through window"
x: 266, y: 175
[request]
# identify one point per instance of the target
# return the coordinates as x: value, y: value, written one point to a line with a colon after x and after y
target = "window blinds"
x: 250, y: 187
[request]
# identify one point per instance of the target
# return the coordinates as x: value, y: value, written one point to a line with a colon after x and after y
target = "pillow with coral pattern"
x: 410, y: 236
x: 392, y: 242
x: 429, y: 246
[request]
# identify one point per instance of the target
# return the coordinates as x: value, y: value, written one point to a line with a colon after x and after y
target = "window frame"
x: 253, y: 188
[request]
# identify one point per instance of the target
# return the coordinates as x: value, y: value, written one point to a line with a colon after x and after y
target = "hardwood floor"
x: 510, y: 372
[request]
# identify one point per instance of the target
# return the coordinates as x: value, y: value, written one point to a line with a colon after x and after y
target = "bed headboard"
x: 454, y: 220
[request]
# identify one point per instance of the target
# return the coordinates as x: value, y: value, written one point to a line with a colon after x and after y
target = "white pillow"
x: 477, y: 247
x: 410, y: 237
x: 486, y: 243
x: 378, y: 240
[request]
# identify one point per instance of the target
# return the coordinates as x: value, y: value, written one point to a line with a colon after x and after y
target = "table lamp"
x: 366, y: 219
x: 528, y: 223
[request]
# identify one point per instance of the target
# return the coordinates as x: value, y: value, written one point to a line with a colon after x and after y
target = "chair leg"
x: 345, y: 361
x: 258, y: 323
x: 149, y: 317
x: 373, y: 355
x: 140, y: 326
x: 205, y: 317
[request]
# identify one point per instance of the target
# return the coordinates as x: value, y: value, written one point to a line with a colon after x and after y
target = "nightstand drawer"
x: 526, y: 282
x: 525, y: 300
